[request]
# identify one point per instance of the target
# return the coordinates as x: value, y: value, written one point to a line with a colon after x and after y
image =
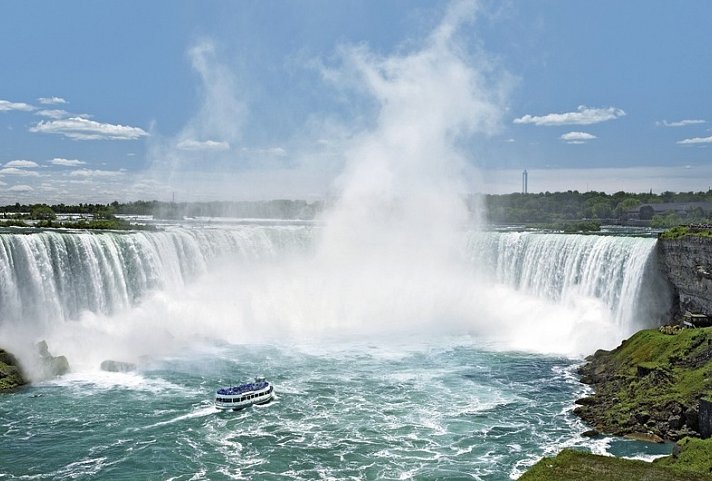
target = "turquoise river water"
x: 452, y: 369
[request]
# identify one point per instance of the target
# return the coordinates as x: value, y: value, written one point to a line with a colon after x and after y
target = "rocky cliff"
x: 687, y: 262
x: 650, y: 386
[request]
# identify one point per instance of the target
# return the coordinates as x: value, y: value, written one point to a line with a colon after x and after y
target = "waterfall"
x: 126, y: 293
x: 52, y: 275
x: 621, y: 272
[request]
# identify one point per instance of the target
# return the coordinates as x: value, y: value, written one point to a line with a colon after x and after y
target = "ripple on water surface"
x: 454, y: 412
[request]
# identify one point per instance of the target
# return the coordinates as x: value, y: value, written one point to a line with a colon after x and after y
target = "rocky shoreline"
x: 46, y: 366
x: 10, y: 373
x: 651, y: 387
x: 656, y: 386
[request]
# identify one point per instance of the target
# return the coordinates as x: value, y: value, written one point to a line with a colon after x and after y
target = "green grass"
x: 669, y: 357
x: 695, y: 456
x: 682, y: 231
x: 572, y: 465
x: 652, y: 372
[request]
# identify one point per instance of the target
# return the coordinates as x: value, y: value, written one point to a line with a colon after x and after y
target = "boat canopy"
x: 243, y: 388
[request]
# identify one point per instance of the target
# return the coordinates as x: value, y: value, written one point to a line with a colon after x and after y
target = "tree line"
x: 540, y: 208
x: 547, y: 207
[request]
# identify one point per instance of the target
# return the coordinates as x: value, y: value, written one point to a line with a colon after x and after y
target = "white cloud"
x: 51, y: 100
x: 696, y: 140
x: 577, y: 137
x: 54, y: 113
x: 6, y: 105
x: 78, y: 128
x: 205, y: 145
x: 680, y: 123
x: 21, y: 188
x: 22, y: 164
x: 96, y: 173
x: 18, y: 172
x: 67, y: 162
x: 583, y: 116
x: 272, y: 151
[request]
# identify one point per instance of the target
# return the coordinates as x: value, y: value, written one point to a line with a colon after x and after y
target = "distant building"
x: 647, y: 211
x: 524, y: 182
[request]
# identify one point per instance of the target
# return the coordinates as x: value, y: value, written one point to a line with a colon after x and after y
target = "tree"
x: 104, y: 213
x: 626, y: 206
x: 42, y: 212
x: 602, y: 209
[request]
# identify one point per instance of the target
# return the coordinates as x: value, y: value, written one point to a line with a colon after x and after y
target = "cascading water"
x: 621, y: 272
x: 273, y: 281
x: 52, y: 276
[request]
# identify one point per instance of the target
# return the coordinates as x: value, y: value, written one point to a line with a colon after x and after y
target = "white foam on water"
x: 91, y: 382
x: 199, y: 412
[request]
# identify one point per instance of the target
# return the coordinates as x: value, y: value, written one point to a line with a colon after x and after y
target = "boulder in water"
x: 117, y: 366
x: 52, y: 365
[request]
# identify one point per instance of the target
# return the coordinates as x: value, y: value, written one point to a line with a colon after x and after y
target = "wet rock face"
x: 10, y: 374
x: 687, y: 263
x: 705, y: 418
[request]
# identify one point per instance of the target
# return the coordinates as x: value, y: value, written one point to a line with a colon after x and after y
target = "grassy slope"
x: 695, y: 455
x: 682, y: 231
x: 673, y: 358
x: 572, y: 465
x: 678, y: 371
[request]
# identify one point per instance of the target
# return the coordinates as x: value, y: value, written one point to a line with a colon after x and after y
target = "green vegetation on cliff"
x: 651, y: 384
x: 572, y: 465
x: 681, y: 231
x: 10, y: 375
x: 694, y: 455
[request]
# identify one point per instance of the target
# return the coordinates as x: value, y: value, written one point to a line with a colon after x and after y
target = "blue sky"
x: 259, y: 99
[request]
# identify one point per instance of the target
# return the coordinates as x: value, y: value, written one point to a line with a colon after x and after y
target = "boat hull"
x: 238, y: 398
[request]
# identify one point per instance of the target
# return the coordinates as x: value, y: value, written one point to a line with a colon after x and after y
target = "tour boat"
x: 244, y: 395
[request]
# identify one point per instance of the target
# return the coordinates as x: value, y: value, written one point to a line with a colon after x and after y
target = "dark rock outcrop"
x: 687, y: 263
x: 650, y: 386
x: 10, y: 372
x: 705, y: 418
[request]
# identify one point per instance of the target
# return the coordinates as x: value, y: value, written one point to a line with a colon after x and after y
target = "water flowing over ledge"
x: 52, y: 275
x: 622, y: 272
x: 552, y: 292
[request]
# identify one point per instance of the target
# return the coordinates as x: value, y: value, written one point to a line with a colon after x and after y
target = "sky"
x: 241, y: 100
